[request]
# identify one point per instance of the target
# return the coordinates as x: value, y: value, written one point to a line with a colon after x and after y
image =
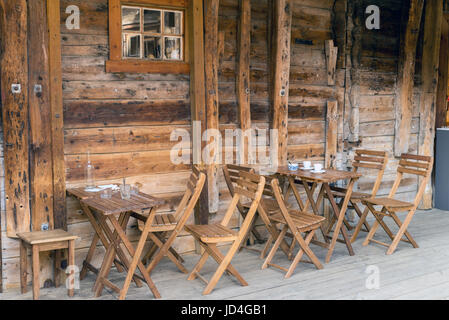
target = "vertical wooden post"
x: 331, y: 133
x: 57, y: 128
x: 211, y: 72
x: 430, y: 64
x: 282, y: 25
x: 406, y: 73
x: 14, y: 64
x: 197, y: 98
x: 41, y: 162
x: 244, y: 77
x: 353, y: 63
x: 443, y: 77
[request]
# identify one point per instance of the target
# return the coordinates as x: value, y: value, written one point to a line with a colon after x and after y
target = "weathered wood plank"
x: 282, y: 28
x: 119, y: 165
x: 56, y: 107
x: 41, y: 162
x: 429, y: 74
x: 15, y: 115
x: 113, y: 113
x: 243, y: 76
x: 212, y: 96
x: 331, y: 134
x: 443, y: 77
x: 405, y: 82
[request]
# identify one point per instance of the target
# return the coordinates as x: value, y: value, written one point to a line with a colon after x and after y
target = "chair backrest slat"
x: 195, y: 186
x: 372, y: 159
x: 420, y: 166
x: 251, y: 186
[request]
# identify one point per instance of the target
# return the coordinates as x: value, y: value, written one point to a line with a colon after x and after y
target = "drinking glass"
x: 106, y: 194
x: 125, y: 191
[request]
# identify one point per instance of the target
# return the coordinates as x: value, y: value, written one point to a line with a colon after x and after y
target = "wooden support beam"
x: 211, y: 72
x: 197, y: 97
x: 56, y: 107
x: 14, y: 70
x: 244, y: 77
x: 331, y: 62
x: 41, y: 162
x: 331, y: 133
x: 354, y: 40
x: 443, y: 77
x: 282, y: 26
x: 406, y: 73
x: 429, y: 74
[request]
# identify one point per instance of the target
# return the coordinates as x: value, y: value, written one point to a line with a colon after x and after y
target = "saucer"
x: 322, y: 171
x: 304, y: 168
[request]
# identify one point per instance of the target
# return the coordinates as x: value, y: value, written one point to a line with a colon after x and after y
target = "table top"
x: 117, y: 205
x: 329, y: 176
x: 81, y: 193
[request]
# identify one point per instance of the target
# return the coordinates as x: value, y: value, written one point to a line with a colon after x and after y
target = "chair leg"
x: 163, y: 251
x: 71, y: 263
x: 359, y: 226
x: 401, y: 232
x: 198, y: 266
x: 406, y: 233
x: 35, y: 263
x: 371, y: 234
x: 266, y: 247
x: 23, y: 267
x: 301, y: 252
x: 275, y: 247
x: 218, y: 256
x: 221, y: 268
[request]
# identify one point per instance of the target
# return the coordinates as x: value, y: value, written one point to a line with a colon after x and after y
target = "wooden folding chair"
x: 267, y: 206
x: 297, y: 222
x: 231, y: 174
x: 209, y: 236
x: 366, y: 159
x: 410, y: 164
x: 165, y: 228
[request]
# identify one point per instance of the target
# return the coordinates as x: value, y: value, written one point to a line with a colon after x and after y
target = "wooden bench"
x: 39, y: 241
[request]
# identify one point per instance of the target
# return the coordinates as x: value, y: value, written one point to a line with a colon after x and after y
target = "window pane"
x: 172, y: 48
x: 131, y: 19
x: 172, y: 22
x: 152, y: 21
x: 152, y: 47
x: 131, y: 46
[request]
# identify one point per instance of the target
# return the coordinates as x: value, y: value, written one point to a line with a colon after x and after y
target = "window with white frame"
x: 152, y: 34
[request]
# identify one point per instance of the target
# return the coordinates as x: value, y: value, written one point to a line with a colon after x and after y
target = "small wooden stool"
x: 39, y: 241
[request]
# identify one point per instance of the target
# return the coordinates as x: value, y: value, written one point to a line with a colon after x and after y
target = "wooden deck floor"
x: 408, y: 274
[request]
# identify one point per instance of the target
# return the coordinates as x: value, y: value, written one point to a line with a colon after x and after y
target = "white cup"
x: 318, y: 167
x: 307, y: 164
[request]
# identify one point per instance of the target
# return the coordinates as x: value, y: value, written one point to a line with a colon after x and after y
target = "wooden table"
x: 109, y: 218
x: 81, y: 194
x: 310, y: 182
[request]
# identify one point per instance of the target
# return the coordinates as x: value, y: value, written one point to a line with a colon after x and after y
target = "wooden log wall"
x: 377, y: 70
x: 125, y: 120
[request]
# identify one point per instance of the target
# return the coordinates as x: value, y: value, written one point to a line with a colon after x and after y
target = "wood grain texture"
x: 429, y: 71
x: 15, y: 115
x: 243, y: 75
x: 41, y: 161
x: 212, y: 97
x: 406, y: 73
x: 282, y: 25
x: 56, y: 107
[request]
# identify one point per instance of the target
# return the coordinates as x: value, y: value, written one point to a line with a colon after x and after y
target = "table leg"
x: 136, y: 255
x: 315, y: 205
x: 291, y: 182
x: 340, y: 214
x: 99, y: 236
